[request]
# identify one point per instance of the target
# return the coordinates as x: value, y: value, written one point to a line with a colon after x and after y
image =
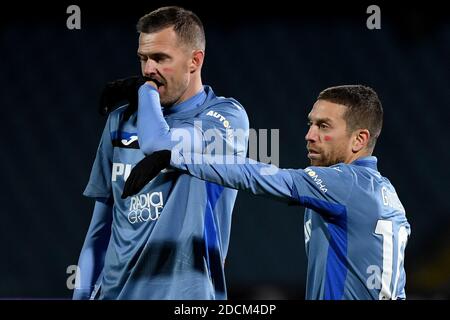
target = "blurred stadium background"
x: 274, y: 59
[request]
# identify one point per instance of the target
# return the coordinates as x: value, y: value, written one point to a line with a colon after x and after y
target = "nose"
x: 150, y: 68
x: 311, y: 135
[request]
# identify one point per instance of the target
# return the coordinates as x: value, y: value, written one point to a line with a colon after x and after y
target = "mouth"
x: 156, y: 81
x: 313, y: 154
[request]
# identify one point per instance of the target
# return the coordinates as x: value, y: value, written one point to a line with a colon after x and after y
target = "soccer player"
x: 170, y: 240
x: 355, y: 226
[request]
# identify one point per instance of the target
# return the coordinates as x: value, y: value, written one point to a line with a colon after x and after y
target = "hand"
x: 145, y: 170
x: 152, y: 83
x: 119, y: 90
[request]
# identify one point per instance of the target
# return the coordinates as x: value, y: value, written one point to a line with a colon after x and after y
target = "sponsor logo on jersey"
x: 145, y: 207
x: 221, y: 118
x: 120, y: 169
x: 122, y: 139
x: 313, y: 175
x: 226, y: 124
x: 129, y: 141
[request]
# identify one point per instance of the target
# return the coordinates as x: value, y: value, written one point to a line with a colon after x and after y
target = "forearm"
x: 92, y: 254
x: 236, y: 172
x: 153, y: 130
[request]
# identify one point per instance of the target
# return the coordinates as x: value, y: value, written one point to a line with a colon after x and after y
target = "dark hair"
x: 186, y: 24
x: 364, y: 110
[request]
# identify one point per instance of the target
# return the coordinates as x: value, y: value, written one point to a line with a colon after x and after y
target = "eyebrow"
x: 154, y: 55
x: 321, y: 120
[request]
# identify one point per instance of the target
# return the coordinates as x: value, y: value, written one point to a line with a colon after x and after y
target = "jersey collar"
x: 190, y: 104
x: 369, y: 162
x: 209, y: 100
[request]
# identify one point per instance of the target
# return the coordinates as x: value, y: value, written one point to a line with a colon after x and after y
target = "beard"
x: 172, y: 97
x: 167, y: 104
x: 326, y: 160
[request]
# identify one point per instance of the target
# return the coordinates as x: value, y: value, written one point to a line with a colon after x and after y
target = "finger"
x: 152, y: 83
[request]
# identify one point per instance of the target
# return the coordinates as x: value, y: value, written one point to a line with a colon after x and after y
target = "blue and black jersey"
x: 170, y: 240
x: 355, y: 226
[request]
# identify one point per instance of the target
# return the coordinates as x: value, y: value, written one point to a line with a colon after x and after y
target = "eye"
x: 323, y: 126
x: 160, y: 57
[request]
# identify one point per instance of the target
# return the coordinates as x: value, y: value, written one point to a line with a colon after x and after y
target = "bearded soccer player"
x: 170, y: 240
x: 355, y: 226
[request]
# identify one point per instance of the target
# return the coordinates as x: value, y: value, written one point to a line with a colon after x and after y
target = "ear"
x: 360, y: 140
x: 197, y: 60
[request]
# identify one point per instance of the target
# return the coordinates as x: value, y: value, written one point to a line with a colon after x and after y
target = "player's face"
x: 328, y: 141
x: 164, y: 59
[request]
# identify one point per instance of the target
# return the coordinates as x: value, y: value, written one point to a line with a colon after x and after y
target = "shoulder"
x: 226, y: 111
x: 333, y: 177
x: 115, y: 117
x: 227, y: 105
x: 118, y: 112
x: 223, y: 103
x: 335, y: 171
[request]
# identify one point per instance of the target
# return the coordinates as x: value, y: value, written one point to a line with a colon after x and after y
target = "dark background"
x: 274, y: 58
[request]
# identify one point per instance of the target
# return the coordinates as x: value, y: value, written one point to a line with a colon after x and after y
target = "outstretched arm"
x: 323, y: 189
x: 237, y: 173
x: 230, y: 171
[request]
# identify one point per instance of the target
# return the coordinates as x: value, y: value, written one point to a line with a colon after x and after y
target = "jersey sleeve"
x: 192, y: 135
x: 225, y: 129
x: 153, y: 131
x: 92, y: 256
x: 324, y: 189
x: 221, y: 130
x: 238, y: 173
x: 99, y: 185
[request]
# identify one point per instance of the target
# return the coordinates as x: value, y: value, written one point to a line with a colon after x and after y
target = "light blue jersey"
x: 170, y: 240
x: 355, y: 226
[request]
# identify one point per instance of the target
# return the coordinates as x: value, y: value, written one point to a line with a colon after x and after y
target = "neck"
x: 194, y: 87
x: 360, y: 154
